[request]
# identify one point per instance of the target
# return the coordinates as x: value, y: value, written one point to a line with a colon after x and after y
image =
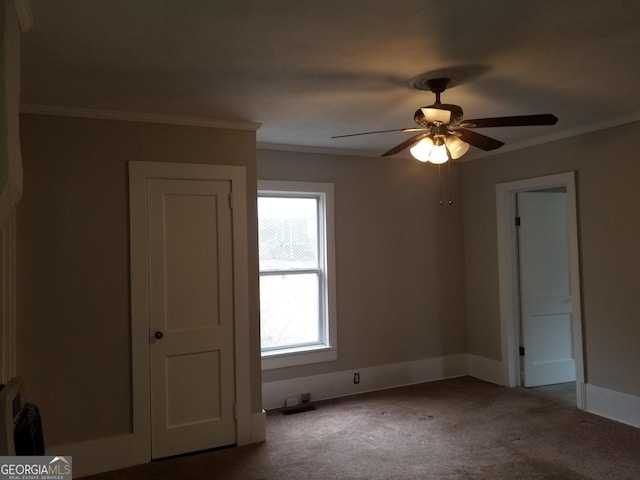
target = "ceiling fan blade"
x: 515, y: 121
x: 478, y: 140
x: 370, y: 133
x: 406, y: 144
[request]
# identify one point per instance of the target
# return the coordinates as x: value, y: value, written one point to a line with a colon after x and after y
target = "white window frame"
x: 327, y: 351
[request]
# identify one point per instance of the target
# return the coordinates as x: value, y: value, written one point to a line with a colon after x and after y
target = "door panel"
x: 189, y: 403
x: 545, y: 291
x: 191, y: 304
x: 191, y: 263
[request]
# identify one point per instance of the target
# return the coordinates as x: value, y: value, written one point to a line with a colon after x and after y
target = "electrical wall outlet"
x: 292, y: 402
x: 356, y: 377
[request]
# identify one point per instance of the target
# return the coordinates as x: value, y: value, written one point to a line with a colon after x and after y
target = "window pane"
x: 289, y: 310
x: 288, y: 232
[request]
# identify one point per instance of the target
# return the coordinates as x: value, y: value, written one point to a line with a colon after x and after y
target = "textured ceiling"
x: 308, y: 70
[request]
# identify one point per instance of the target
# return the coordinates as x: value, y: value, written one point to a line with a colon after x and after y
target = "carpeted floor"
x: 454, y: 429
x: 565, y: 391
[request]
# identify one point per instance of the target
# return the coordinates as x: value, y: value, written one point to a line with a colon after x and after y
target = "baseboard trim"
x: 122, y: 451
x: 103, y: 455
x: 613, y: 405
x: 340, y: 384
x: 487, y: 369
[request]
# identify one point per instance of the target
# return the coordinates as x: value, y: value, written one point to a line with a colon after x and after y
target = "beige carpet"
x: 454, y: 429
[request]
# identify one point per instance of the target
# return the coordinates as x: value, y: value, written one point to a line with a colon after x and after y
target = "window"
x: 297, y: 293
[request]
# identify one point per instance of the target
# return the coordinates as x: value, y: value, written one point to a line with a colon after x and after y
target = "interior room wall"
x: 399, y: 258
x: 73, y: 306
x: 608, y: 199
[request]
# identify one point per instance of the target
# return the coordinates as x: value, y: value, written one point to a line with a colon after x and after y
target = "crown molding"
x: 316, y: 150
x: 59, y: 111
x: 25, y: 17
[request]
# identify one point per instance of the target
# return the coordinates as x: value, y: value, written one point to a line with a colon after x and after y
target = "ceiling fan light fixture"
x: 422, y: 150
x: 439, y: 154
x: 456, y: 147
x: 430, y: 149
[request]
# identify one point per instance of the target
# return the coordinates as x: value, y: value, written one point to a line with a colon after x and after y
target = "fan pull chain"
x: 440, y: 184
x: 449, y: 184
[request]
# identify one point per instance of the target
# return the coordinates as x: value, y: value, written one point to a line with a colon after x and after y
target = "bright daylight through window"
x: 297, y: 294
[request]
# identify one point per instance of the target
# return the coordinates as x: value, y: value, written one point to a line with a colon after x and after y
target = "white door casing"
x: 508, y: 274
x: 144, y: 178
x: 191, y: 315
x: 545, y: 291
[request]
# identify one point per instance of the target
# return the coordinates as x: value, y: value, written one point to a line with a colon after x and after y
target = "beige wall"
x: 608, y: 189
x: 399, y: 258
x: 73, y: 316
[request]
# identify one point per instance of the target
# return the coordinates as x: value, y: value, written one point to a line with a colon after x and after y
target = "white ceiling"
x: 310, y: 69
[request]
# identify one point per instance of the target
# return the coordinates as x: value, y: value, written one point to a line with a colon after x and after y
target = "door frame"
x: 139, y: 173
x: 508, y: 274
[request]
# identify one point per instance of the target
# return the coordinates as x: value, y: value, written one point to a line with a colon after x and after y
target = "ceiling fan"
x: 443, y: 132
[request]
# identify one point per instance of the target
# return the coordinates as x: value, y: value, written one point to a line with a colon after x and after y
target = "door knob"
x: 158, y: 335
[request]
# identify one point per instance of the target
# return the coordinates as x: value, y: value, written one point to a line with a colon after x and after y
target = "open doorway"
x: 552, y: 333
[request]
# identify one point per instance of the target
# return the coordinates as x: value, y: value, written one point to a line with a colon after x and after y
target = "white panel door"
x: 191, y: 315
x: 545, y: 290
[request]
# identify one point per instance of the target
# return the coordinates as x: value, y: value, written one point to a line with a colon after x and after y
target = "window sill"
x: 298, y: 356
